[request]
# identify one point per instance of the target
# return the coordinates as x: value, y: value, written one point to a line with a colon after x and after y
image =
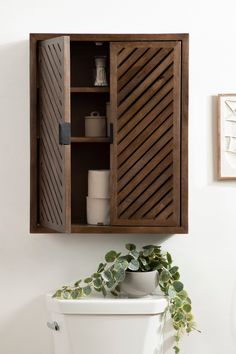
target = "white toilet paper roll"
x: 98, y: 211
x: 98, y: 183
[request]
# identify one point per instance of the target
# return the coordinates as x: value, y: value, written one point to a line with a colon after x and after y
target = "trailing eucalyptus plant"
x: 112, y: 272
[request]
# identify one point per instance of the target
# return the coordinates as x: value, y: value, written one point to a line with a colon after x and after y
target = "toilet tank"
x: 96, y: 325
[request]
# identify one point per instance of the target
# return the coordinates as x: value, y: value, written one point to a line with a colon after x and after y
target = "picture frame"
x: 226, y: 142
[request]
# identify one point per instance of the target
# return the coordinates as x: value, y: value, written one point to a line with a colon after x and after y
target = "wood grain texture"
x: 146, y: 114
x: 135, y: 134
x: 55, y: 164
x: 33, y: 136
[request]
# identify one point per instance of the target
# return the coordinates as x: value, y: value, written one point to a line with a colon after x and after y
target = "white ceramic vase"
x: 138, y: 284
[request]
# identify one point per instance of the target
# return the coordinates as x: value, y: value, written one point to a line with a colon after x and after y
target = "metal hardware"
x: 111, y: 133
x: 64, y: 133
x: 53, y: 325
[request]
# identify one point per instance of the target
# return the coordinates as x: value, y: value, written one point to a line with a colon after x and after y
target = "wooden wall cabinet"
x: 148, y: 155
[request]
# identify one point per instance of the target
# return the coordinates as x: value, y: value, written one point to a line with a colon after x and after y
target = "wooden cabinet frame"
x: 178, y: 221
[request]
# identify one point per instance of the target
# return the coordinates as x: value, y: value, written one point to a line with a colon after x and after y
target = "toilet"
x: 97, y: 325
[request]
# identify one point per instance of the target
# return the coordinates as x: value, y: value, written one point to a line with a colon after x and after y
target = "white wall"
x: 30, y: 265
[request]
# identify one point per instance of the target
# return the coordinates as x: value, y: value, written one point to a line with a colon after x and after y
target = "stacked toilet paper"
x: 98, y: 199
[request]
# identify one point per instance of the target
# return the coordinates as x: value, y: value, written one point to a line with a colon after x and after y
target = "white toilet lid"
x: 153, y: 304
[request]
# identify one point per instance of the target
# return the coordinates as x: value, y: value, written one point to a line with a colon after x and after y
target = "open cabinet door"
x: 145, y: 108
x: 55, y: 151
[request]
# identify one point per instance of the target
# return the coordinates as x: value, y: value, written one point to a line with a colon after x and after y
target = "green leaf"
x: 96, y: 275
x: 114, y: 293
x: 121, y: 264
x: 178, y: 302
x: 134, y: 254
x: 101, y: 267
x: 176, y: 276
x: 177, y: 337
x: 171, y: 292
x: 134, y: 265
x: 57, y: 293
x: 188, y: 329
x: 87, y: 290
x: 66, y: 295
x: 148, y: 251
x: 169, y: 258
x: 74, y: 294
x: 104, y: 291
x: 189, y: 317
x: 120, y: 275
x: 159, y: 266
x: 165, y: 276
x: 187, y: 308
x: 188, y: 300
x: 88, y: 280
x: 173, y: 270
x: 107, y: 275
x: 130, y: 246
x: 110, y: 284
x: 178, y: 286
x: 176, y: 349
x: 151, y: 246
x: 143, y: 261
x: 183, y: 294
x: 97, y: 283
x: 179, y: 317
x: 77, y: 282
x: 110, y: 256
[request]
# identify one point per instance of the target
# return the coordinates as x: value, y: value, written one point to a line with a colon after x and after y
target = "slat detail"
x: 147, y: 85
x: 54, y: 92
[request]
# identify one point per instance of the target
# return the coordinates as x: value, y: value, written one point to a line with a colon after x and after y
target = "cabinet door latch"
x: 64, y: 133
x: 111, y: 133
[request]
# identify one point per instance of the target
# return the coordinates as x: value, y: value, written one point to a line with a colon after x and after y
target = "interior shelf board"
x: 85, y: 139
x: 99, y: 89
x: 84, y: 228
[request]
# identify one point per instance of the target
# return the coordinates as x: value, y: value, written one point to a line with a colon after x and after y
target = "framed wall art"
x: 226, y: 149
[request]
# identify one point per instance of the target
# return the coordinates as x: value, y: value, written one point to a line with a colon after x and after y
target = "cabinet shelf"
x: 89, y: 89
x: 85, y: 139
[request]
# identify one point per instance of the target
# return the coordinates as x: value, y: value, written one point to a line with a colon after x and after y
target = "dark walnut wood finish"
x: 54, y: 159
x: 148, y: 156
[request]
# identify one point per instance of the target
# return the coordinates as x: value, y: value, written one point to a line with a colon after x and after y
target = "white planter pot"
x: 98, y: 211
x: 98, y: 183
x: 137, y: 284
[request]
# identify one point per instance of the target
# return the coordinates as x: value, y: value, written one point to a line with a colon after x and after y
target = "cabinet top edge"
x: 114, y: 36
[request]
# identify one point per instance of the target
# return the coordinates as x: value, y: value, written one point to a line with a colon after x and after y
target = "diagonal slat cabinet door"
x: 145, y: 156
x: 55, y: 165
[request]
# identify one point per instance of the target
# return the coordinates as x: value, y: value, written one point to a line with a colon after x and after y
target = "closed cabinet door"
x: 145, y: 156
x: 54, y: 103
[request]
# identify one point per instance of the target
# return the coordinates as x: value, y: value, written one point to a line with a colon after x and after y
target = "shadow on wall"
x: 26, y: 331
x: 14, y: 69
x: 233, y: 316
x: 214, y: 135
